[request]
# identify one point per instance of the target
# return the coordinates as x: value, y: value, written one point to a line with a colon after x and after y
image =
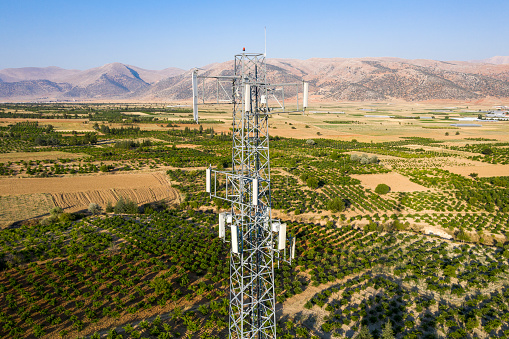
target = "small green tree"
x: 104, y: 168
x: 336, y: 205
x: 487, y: 151
x: 382, y: 189
x: 126, y: 206
x: 94, y: 208
x: 387, y: 332
x: 363, y: 333
x: 312, y: 182
x: 55, y: 211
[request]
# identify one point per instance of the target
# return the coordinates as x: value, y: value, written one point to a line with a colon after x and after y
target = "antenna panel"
x: 195, y: 97
x: 208, y: 172
x: 235, y: 240
x: 306, y: 90
x: 282, y: 237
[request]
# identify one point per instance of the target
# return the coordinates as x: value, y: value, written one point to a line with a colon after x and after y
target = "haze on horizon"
x: 161, y: 34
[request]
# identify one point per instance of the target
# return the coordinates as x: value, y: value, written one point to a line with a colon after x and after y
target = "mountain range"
x: 331, y: 79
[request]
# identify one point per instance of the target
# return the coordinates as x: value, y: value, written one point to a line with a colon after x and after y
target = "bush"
x: 126, y: 206
x: 487, y: 151
x: 109, y: 207
x: 55, y: 211
x: 65, y: 217
x: 94, y: 208
x: 312, y: 182
x: 336, y: 205
x: 382, y: 189
x: 49, y: 220
x: 104, y: 168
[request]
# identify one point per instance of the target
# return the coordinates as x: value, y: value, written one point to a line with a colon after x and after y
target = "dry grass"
x: 27, y: 206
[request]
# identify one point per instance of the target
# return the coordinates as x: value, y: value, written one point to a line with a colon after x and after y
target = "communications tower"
x: 256, y: 239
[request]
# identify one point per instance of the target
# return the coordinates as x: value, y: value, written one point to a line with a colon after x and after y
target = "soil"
x: 24, y: 198
x: 396, y: 181
x: 484, y: 170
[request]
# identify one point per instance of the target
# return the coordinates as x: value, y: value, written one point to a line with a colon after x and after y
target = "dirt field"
x: 23, y: 198
x: 484, y: 170
x: 353, y: 123
x: 396, y: 181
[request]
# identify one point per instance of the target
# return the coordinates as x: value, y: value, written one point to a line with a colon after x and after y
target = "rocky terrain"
x: 341, y: 79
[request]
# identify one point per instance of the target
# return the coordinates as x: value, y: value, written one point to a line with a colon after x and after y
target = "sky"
x: 81, y: 34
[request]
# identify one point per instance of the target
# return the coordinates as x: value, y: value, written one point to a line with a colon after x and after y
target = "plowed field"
x: 77, y: 192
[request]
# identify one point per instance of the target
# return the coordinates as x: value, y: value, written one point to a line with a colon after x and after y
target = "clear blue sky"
x: 82, y: 34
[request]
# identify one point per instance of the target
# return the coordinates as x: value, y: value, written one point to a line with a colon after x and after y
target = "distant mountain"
x: 35, y: 73
x: 359, y: 79
x: 110, y: 81
x: 497, y: 60
x: 352, y: 79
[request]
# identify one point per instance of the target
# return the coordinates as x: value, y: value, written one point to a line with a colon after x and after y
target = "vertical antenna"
x: 265, y: 54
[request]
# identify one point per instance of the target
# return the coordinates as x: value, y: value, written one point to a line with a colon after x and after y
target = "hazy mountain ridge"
x: 330, y: 79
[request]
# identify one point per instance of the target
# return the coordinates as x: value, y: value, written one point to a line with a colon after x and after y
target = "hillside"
x: 332, y: 79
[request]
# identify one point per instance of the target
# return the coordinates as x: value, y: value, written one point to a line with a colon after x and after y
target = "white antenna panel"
x: 235, y: 240
x: 247, y: 98
x: 222, y: 220
x: 255, y: 192
x: 208, y: 173
x: 282, y: 237
x: 275, y: 226
x: 195, y: 97
x: 292, y: 252
x: 306, y: 90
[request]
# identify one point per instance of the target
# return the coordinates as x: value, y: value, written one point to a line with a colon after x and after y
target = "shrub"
x: 109, y: 207
x: 94, y: 208
x: 336, y: 205
x: 126, y: 206
x: 487, y: 151
x: 312, y: 182
x: 104, y: 168
x: 65, y: 217
x: 160, y: 285
x: 55, y: 211
x: 49, y: 220
x: 310, y: 142
x: 382, y: 189
x: 304, y: 177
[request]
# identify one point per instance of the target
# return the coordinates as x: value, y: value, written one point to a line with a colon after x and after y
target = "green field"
x: 364, y: 259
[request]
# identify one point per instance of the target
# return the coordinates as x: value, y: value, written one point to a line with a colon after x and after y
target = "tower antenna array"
x: 257, y: 240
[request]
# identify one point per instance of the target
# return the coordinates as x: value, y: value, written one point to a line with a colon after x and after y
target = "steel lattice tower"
x: 252, y: 298
x: 247, y: 188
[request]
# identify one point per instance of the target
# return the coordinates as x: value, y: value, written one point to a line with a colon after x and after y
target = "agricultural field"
x: 106, y: 231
